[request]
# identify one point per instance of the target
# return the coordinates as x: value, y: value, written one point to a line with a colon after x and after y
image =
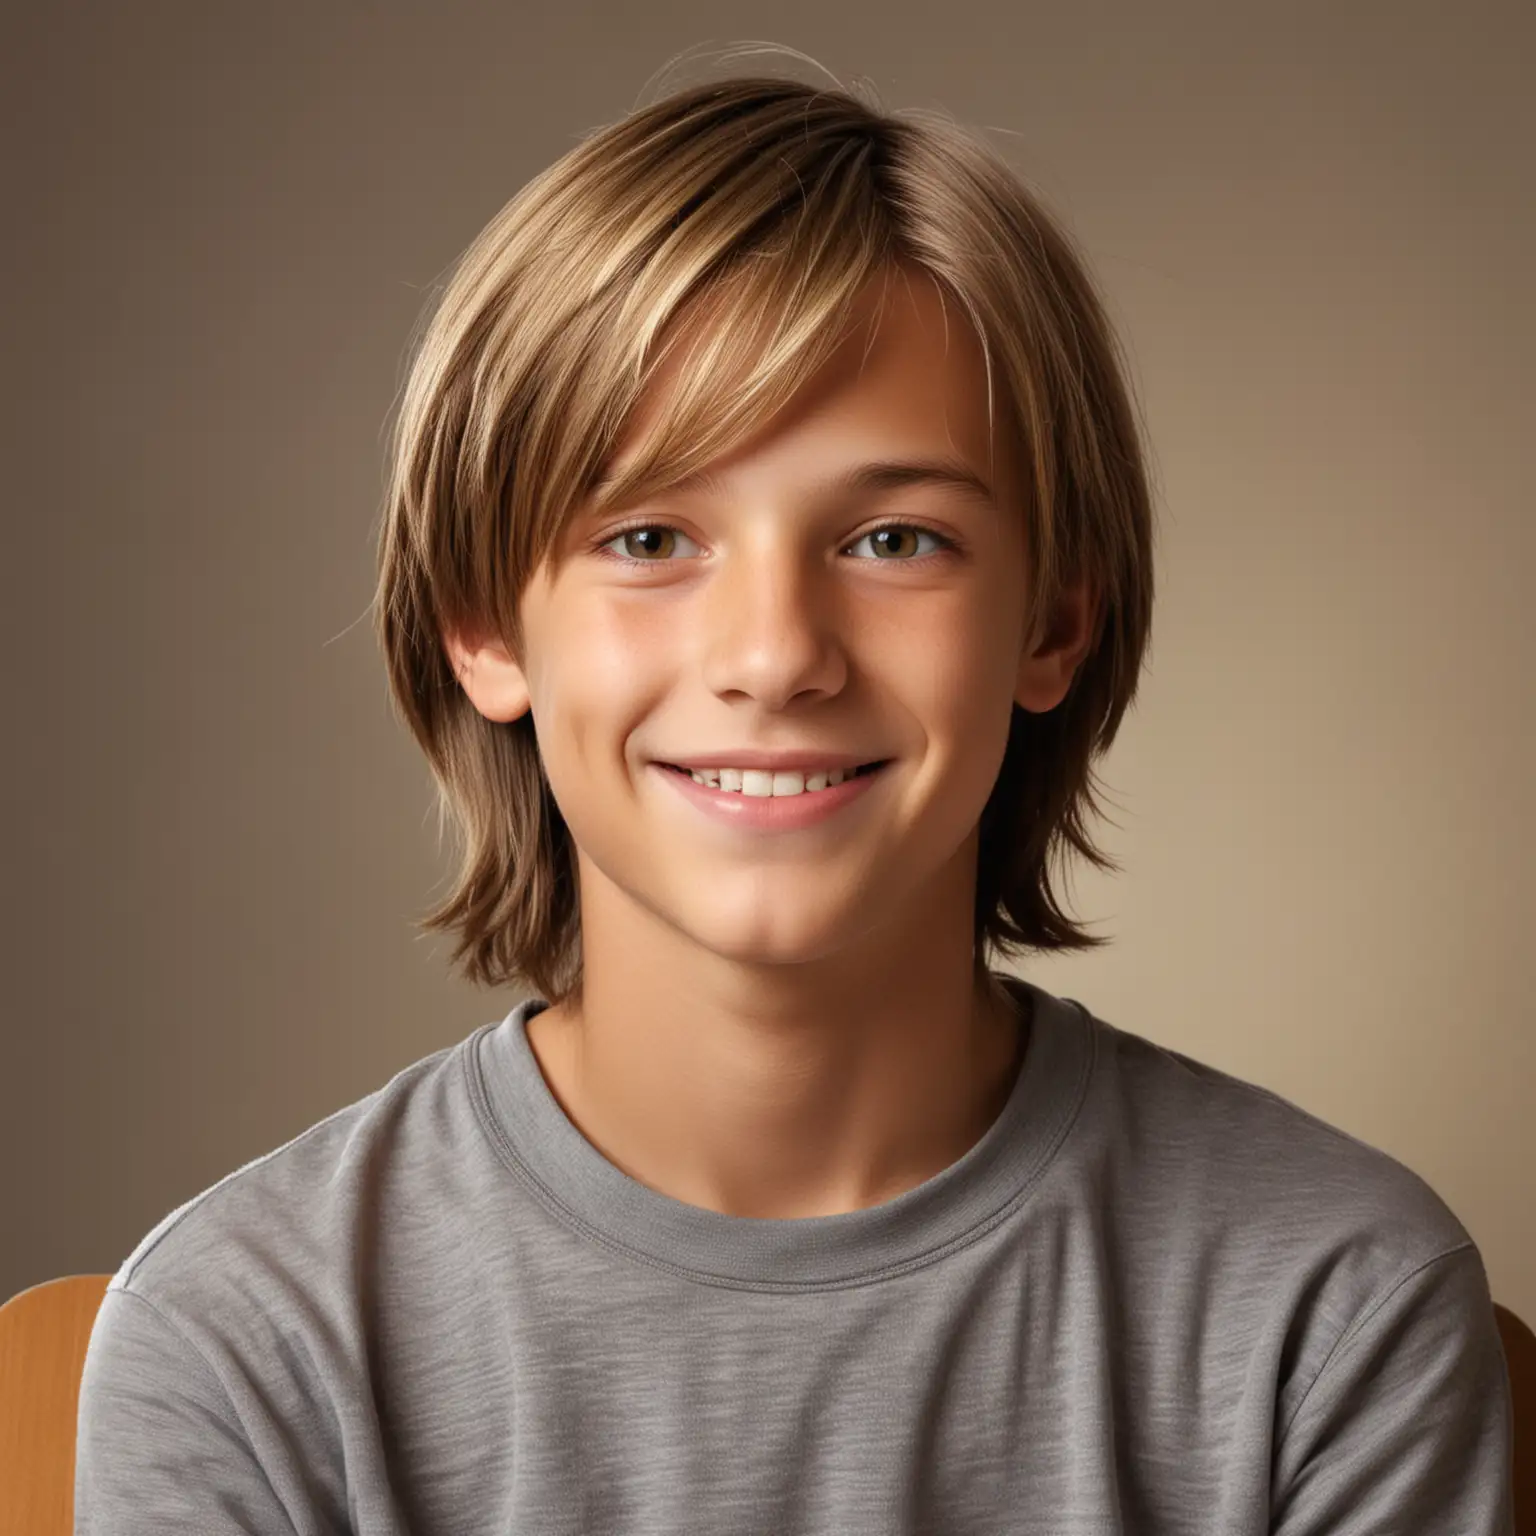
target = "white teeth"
x: 763, y: 784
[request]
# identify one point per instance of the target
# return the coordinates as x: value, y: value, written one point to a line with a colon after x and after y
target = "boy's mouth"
x: 774, y: 782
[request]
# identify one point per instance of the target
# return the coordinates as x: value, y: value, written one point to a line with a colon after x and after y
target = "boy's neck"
x: 766, y: 1112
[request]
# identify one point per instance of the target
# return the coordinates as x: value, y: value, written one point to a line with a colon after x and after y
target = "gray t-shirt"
x: 1151, y: 1299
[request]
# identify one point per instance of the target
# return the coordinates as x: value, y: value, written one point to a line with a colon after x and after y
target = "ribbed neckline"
x: 570, y: 1176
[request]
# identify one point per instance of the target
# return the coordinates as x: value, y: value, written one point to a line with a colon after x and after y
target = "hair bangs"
x: 732, y: 358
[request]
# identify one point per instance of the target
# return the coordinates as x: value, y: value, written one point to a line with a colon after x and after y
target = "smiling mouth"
x: 791, y: 791
x: 773, y: 784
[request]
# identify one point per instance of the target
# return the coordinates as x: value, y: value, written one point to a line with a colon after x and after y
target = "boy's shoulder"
x: 286, y: 1217
x: 1208, y: 1152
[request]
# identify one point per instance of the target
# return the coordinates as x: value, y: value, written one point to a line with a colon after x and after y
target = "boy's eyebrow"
x: 871, y: 478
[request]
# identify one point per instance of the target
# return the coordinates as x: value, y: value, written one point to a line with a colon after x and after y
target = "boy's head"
x: 764, y: 421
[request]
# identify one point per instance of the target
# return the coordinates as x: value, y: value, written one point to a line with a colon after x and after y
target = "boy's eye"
x: 645, y: 544
x: 891, y: 541
x: 651, y: 543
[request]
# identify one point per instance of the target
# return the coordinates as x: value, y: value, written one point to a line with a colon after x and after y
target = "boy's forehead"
x: 908, y: 373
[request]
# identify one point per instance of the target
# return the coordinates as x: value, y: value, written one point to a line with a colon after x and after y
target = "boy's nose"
x: 772, y: 629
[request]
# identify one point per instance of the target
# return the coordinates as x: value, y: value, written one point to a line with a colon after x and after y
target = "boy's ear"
x: 1046, y: 672
x: 486, y: 671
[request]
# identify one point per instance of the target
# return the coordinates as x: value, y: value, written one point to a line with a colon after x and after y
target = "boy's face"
x: 765, y: 618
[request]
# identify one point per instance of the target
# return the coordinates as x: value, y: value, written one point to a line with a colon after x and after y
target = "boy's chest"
x: 1003, y: 1400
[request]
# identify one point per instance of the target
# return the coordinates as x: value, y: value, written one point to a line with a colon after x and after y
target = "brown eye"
x: 643, y: 543
x: 887, y: 540
x: 901, y: 542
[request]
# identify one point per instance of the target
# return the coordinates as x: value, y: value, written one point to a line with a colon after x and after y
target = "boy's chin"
x: 811, y: 939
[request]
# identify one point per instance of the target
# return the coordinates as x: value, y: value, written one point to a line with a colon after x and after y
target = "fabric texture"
x: 1153, y: 1298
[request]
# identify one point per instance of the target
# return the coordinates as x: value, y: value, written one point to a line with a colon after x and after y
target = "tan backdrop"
x: 1315, y: 223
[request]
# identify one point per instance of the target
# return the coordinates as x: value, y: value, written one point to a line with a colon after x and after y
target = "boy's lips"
x: 773, y: 813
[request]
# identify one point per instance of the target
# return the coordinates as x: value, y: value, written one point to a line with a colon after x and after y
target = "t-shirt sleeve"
x: 1408, y: 1424
x: 159, y: 1447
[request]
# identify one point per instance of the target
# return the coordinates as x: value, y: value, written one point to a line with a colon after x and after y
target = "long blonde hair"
x: 772, y: 203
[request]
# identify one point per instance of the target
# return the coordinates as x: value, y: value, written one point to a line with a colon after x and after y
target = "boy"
x: 768, y: 553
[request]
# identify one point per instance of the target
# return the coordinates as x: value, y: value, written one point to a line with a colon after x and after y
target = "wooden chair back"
x: 1520, y: 1352
x: 43, y: 1335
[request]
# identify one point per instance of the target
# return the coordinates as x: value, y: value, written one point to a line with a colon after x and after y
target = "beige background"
x: 1314, y: 222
